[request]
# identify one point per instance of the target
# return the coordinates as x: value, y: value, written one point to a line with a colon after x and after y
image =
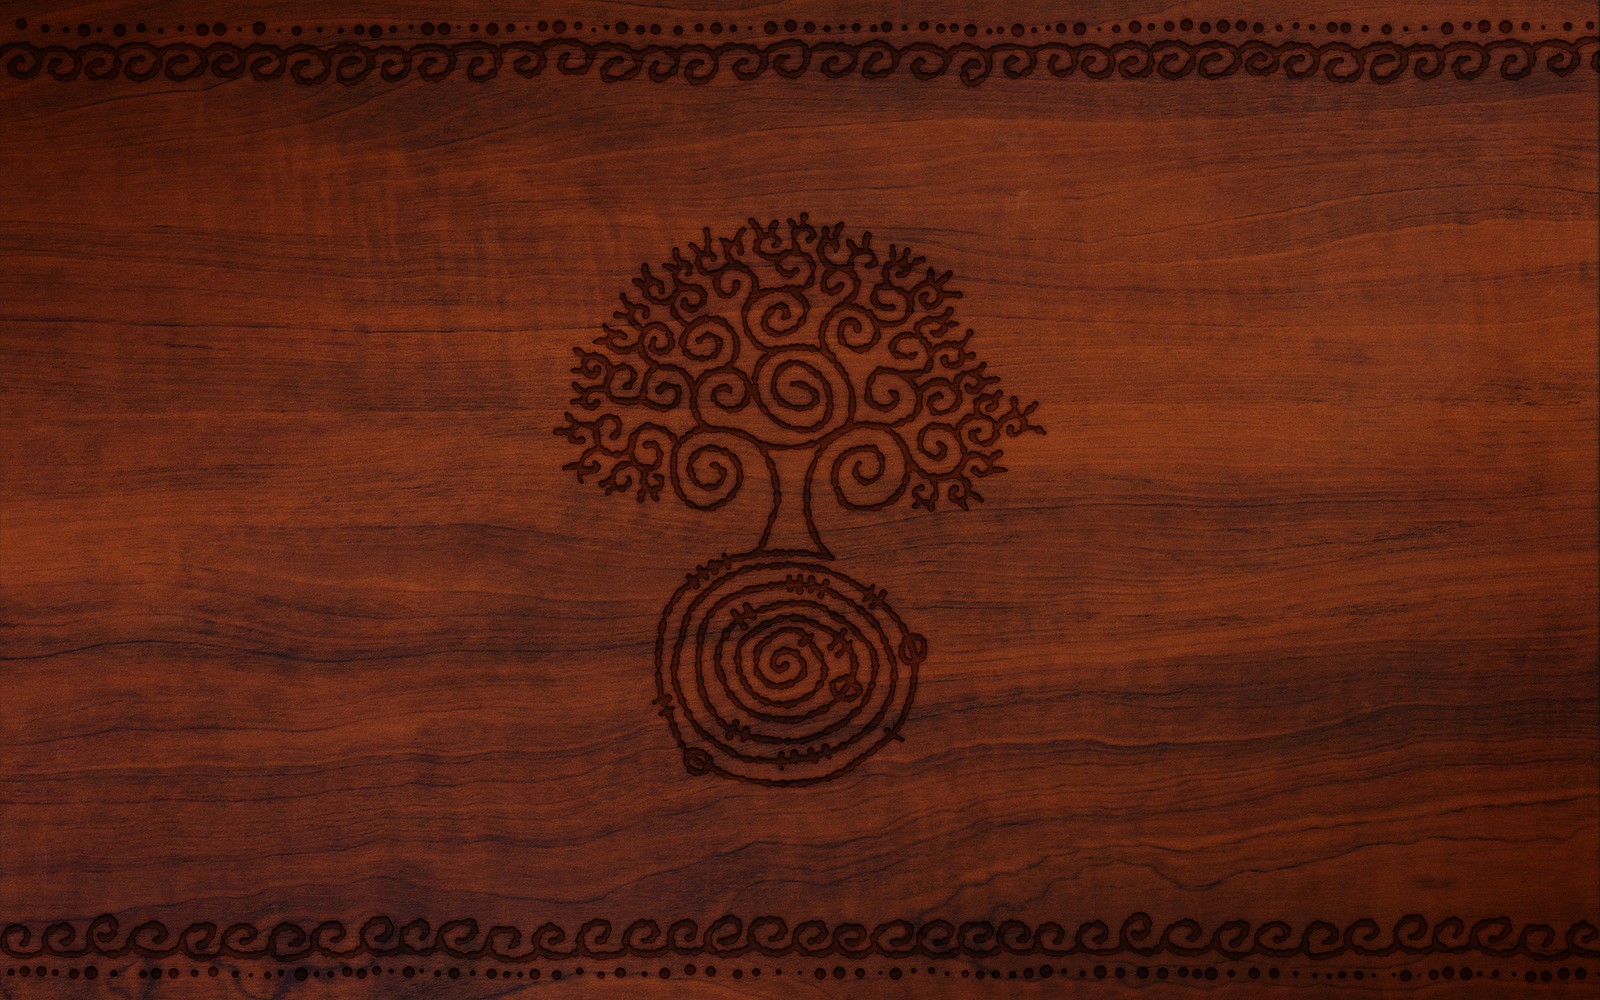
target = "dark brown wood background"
x: 1292, y: 614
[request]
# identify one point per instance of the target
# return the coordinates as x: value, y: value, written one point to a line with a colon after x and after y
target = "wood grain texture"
x: 1293, y: 614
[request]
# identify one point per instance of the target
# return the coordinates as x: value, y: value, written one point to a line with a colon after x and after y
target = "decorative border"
x: 731, y: 937
x: 792, y: 26
x: 351, y: 63
x: 972, y: 62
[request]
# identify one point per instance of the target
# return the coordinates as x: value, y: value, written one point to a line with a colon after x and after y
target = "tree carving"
x: 824, y: 365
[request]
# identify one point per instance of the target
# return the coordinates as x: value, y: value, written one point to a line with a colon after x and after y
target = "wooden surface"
x: 1291, y: 615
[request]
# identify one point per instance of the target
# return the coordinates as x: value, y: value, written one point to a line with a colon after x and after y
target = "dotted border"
x: 970, y: 29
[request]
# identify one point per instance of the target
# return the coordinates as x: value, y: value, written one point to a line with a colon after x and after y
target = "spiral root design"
x: 782, y: 672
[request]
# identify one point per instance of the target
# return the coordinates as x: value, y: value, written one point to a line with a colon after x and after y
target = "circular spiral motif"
x: 707, y: 469
x: 782, y: 672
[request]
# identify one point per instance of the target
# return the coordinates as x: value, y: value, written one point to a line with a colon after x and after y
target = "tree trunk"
x: 790, y: 528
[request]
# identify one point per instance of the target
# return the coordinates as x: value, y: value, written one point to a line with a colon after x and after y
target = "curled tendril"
x: 869, y: 467
x: 707, y: 470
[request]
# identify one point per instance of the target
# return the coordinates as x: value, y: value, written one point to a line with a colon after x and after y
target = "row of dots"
x: 302, y: 973
x: 970, y: 29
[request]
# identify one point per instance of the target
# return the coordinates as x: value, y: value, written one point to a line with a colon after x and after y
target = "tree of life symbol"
x: 831, y: 365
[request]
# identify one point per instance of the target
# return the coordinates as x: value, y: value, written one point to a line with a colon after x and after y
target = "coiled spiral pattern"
x: 782, y: 672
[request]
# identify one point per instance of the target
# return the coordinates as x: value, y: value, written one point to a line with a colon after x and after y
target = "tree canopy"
x: 784, y: 338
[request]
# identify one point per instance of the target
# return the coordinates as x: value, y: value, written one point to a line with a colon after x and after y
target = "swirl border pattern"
x: 731, y: 936
x: 352, y: 63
